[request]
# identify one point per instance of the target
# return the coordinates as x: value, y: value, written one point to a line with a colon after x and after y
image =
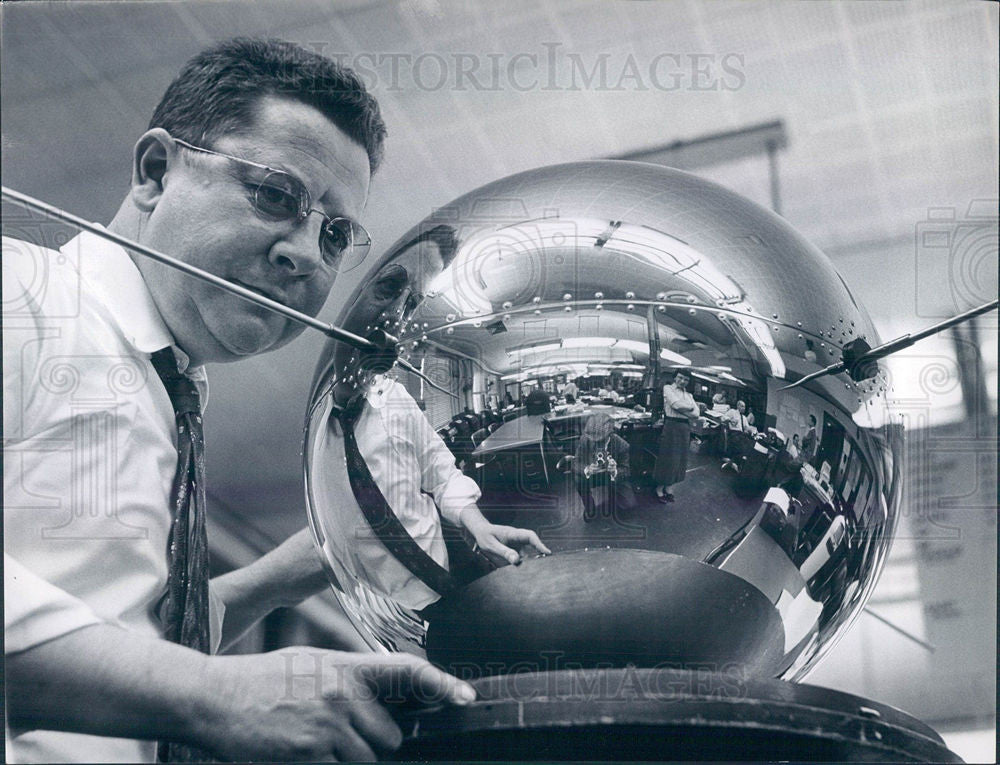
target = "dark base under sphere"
x: 665, y: 714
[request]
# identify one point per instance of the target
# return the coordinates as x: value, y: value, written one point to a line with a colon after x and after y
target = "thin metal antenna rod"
x: 54, y: 212
x: 922, y: 643
x: 898, y: 344
x: 406, y: 365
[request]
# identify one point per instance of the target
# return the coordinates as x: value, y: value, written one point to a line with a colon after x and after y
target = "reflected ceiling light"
x: 543, y: 348
x: 676, y: 358
x: 635, y: 346
x: 678, y: 257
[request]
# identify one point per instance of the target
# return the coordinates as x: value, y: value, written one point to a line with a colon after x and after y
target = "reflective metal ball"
x: 733, y: 533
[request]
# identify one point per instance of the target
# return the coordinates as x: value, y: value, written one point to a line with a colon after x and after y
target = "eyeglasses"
x: 280, y: 196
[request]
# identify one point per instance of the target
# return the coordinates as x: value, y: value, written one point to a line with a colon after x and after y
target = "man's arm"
x: 294, y: 704
x: 283, y: 578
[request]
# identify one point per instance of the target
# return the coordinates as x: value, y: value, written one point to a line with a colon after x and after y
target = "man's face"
x: 396, y: 289
x: 682, y: 381
x: 206, y: 217
x: 741, y: 407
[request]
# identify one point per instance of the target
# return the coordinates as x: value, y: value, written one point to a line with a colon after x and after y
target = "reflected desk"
x: 518, y: 433
x: 564, y: 424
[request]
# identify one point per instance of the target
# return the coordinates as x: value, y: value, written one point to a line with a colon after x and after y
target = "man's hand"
x: 298, y: 703
x: 310, y: 704
x: 500, y: 540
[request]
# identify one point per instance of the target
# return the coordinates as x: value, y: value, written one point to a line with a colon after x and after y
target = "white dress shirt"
x: 416, y: 474
x: 679, y: 403
x: 89, y: 460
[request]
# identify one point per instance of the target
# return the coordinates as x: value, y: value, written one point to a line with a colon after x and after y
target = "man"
x: 809, y: 441
x: 739, y: 423
x: 255, y: 167
x: 602, y: 459
x: 738, y: 420
x: 793, y: 447
x: 410, y: 465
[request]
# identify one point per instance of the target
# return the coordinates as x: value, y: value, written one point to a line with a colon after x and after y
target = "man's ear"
x: 154, y: 154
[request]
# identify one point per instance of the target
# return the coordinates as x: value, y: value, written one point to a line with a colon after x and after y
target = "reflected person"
x: 679, y: 412
x: 602, y: 459
x: 409, y: 462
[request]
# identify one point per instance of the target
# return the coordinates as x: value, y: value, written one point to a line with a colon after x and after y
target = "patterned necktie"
x: 380, y: 516
x: 183, y: 610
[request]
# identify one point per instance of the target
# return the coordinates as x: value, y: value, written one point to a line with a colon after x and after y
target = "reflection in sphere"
x: 690, y: 531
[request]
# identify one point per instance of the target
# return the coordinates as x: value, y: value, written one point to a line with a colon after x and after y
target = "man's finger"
x: 527, y: 537
x: 533, y: 539
x: 402, y: 676
x: 376, y: 726
x: 350, y: 747
x: 497, y: 547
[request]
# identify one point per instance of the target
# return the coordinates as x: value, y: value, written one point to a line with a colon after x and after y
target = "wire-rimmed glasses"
x: 280, y: 196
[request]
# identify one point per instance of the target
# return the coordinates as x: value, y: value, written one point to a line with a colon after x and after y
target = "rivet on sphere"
x: 507, y: 304
x: 630, y: 307
x: 630, y: 296
x: 661, y: 295
x: 536, y: 300
x: 598, y: 307
x: 568, y: 309
x: 598, y: 295
x: 506, y: 317
x: 661, y: 308
x: 450, y: 331
x: 538, y: 312
x: 450, y: 317
x: 774, y: 316
x: 692, y: 312
x: 567, y: 296
x: 692, y: 299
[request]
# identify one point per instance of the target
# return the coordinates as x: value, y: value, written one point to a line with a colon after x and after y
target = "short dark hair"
x: 537, y: 402
x: 812, y: 419
x: 218, y: 91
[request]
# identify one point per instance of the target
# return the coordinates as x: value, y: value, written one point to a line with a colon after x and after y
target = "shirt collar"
x: 378, y: 391
x: 115, y: 280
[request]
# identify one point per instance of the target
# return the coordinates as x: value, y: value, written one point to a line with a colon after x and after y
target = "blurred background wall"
x: 872, y: 127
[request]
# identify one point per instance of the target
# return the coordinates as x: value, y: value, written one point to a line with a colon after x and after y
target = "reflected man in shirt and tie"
x: 414, y: 473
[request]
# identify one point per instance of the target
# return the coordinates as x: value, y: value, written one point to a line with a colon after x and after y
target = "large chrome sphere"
x: 557, y: 308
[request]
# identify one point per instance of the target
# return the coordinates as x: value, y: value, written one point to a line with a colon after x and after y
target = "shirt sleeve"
x: 452, y: 490
x: 35, y: 610
x: 672, y: 397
